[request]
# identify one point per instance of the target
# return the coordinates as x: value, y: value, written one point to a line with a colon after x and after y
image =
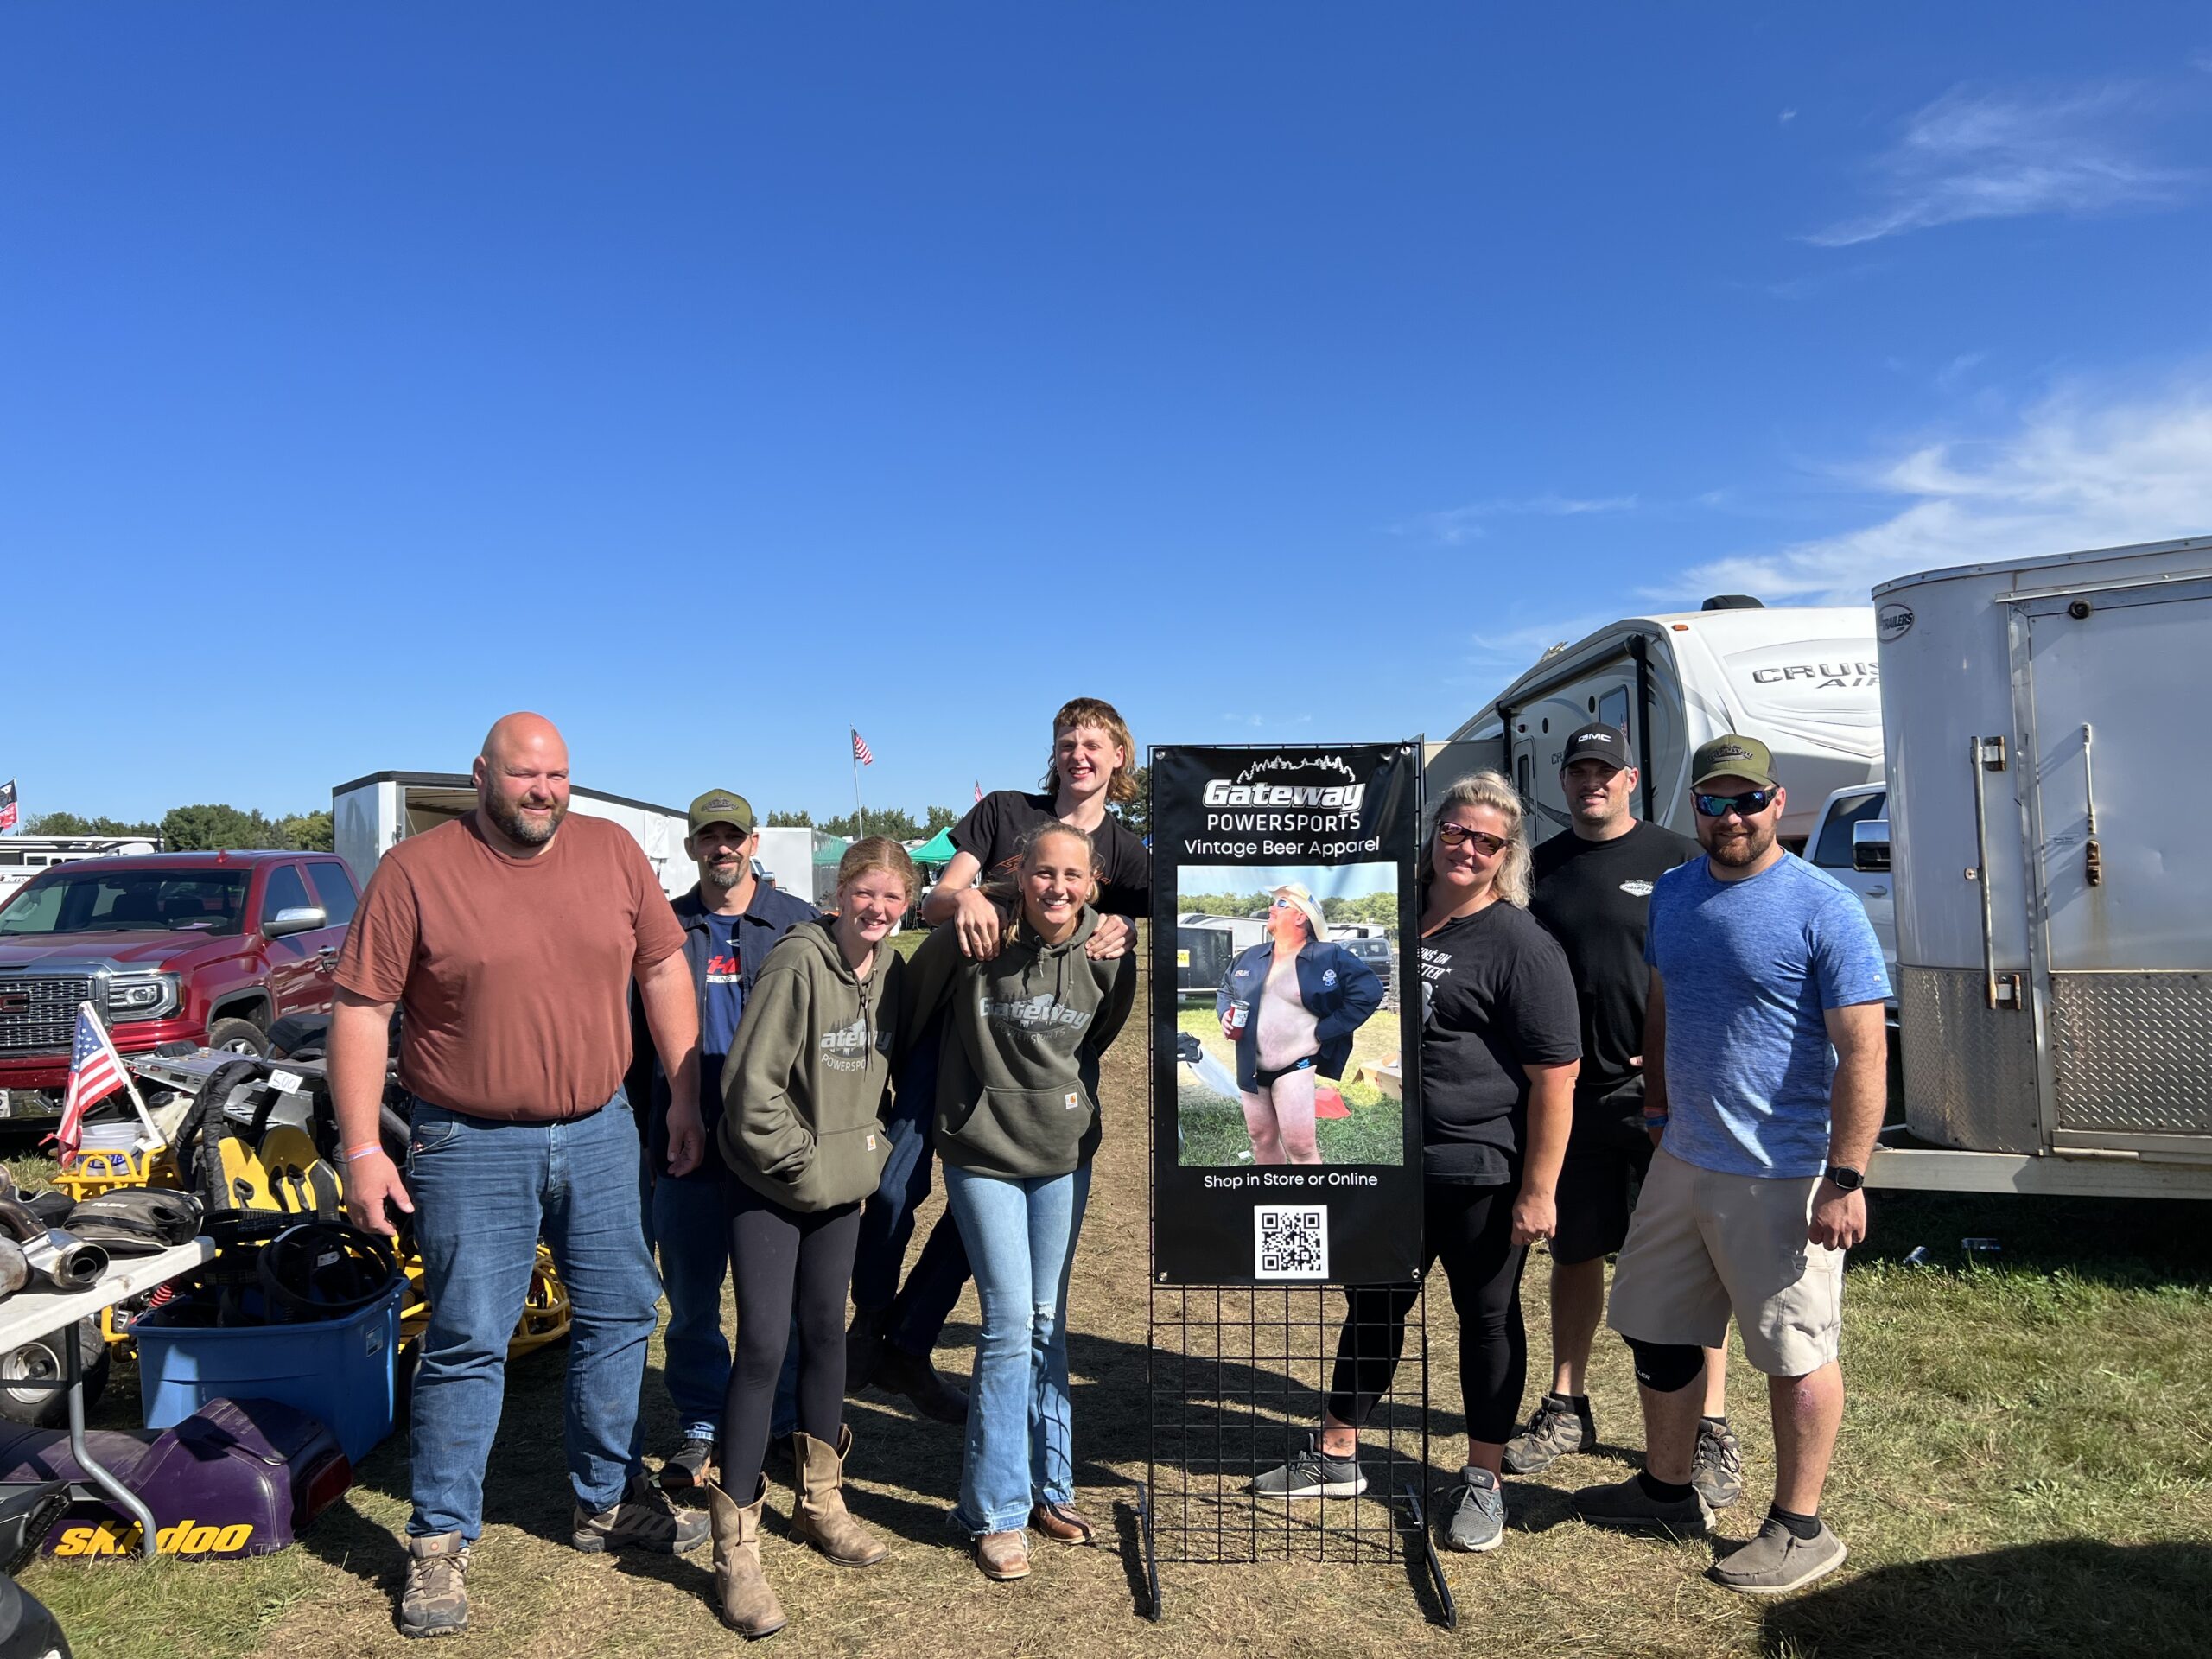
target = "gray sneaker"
x: 1312, y: 1473
x: 1625, y: 1504
x: 1474, y: 1515
x: 1717, y: 1467
x: 436, y: 1599
x: 1556, y: 1428
x: 1777, y: 1561
x: 644, y: 1518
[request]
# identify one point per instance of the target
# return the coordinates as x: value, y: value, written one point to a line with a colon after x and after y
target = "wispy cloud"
x: 1787, y: 116
x: 1457, y: 525
x: 2074, y: 474
x: 1259, y: 721
x: 1990, y: 155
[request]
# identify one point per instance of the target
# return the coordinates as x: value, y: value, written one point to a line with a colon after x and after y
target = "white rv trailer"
x: 22, y: 857
x: 2054, y: 906
x: 1801, y: 679
x: 370, y: 815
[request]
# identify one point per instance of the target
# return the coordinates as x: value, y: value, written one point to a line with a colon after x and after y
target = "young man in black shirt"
x: 895, y: 1327
x: 1593, y: 890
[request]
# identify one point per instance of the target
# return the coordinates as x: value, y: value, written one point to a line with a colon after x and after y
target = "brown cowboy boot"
x: 748, y: 1604
x: 820, y: 1517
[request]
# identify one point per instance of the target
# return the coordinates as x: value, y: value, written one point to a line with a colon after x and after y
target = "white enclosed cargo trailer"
x: 370, y: 815
x: 789, y: 855
x: 2053, y: 901
x: 1803, y: 679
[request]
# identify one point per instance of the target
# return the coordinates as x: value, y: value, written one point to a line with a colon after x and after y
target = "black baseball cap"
x: 1599, y: 742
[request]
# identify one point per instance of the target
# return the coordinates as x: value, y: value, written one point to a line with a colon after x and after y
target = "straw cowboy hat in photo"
x: 1296, y: 894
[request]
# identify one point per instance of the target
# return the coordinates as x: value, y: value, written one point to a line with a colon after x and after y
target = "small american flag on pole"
x: 979, y: 792
x: 860, y: 749
x: 95, y: 1073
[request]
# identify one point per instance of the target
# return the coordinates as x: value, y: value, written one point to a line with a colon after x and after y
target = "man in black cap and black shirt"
x: 1593, y: 890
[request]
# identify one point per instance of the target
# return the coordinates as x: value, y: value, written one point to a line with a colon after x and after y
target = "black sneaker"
x: 1312, y: 1473
x: 1559, y: 1426
x: 898, y: 1371
x: 1717, y: 1467
x: 689, y: 1468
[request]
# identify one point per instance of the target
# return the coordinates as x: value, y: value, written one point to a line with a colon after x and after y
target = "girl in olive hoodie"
x: 802, y: 1093
x: 1016, y: 1128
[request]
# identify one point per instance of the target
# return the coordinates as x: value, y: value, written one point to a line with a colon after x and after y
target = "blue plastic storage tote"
x: 339, y: 1371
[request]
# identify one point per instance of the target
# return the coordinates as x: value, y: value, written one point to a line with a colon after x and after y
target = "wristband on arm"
x: 351, y: 1153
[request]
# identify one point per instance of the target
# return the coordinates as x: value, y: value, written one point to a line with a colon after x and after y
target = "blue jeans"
x: 484, y: 1194
x: 689, y: 1225
x: 1020, y: 1238
x: 918, y: 1310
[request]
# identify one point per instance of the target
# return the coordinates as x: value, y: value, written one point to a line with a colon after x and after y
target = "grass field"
x: 2025, y: 1468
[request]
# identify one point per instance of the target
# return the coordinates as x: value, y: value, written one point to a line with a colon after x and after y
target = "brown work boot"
x: 436, y: 1599
x: 1062, y: 1524
x: 1003, y: 1556
x: 747, y: 1604
x: 820, y: 1517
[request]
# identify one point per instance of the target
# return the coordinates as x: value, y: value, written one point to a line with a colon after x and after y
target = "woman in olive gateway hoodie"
x: 1016, y: 1129
x: 803, y: 1092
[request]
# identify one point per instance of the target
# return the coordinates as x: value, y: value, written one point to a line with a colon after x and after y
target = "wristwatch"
x: 1845, y: 1178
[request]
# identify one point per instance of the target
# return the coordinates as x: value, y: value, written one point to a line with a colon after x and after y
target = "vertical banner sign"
x: 1286, y: 1086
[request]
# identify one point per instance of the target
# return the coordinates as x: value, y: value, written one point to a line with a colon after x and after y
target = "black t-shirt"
x: 1495, y: 997
x: 995, y: 824
x: 1595, y: 898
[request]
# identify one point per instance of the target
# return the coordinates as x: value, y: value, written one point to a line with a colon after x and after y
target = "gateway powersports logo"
x: 1300, y: 796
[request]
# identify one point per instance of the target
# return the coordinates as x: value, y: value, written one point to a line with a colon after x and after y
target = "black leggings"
x: 1470, y: 1229
x: 779, y: 1256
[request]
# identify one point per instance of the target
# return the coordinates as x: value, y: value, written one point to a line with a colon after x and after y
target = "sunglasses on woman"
x: 1749, y: 804
x: 1453, y: 834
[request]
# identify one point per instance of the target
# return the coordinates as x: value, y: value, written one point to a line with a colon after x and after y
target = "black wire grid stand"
x: 1236, y: 1376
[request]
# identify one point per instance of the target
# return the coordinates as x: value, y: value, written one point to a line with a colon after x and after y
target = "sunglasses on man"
x: 1489, y: 845
x: 1749, y: 804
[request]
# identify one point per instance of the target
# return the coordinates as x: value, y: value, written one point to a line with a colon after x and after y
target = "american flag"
x: 8, y: 804
x: 94, y: 1074
x: 860, y: 749
x: 979, y: 792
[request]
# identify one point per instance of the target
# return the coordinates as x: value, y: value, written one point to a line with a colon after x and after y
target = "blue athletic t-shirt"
x: 1751, y: 969
x: 722, y: 1004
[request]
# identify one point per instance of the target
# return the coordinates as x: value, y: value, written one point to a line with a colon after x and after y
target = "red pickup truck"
x: 193, y: 947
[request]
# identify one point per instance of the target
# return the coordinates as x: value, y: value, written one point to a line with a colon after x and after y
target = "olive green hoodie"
x: 1010, y: 1097
x: 805, y: 1088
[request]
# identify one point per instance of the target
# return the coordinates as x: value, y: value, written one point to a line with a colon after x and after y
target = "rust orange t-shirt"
x: 512, y: 974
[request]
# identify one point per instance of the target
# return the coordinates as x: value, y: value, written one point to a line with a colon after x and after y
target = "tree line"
x: 1372, y: 909
x: 901, y: 825
x: 206, y: 827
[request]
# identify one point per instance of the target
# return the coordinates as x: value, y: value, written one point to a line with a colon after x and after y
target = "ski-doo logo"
x: 1033, y: 1012
x: 185, y: 1538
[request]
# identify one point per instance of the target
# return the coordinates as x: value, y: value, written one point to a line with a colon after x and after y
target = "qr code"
x: 1290, y: 1241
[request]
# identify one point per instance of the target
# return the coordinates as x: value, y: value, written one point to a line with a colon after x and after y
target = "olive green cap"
x: 721, y: 806
x: 1730, y: 756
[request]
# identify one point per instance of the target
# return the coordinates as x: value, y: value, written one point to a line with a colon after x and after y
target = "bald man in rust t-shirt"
x: 508, y: 940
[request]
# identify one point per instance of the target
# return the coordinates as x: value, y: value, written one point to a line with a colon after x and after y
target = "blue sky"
x: 714, y: 377
x: 1334, y: 881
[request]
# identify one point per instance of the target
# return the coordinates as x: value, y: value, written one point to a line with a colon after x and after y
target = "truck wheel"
x: 40, y: 1360
x: 237, y: 1037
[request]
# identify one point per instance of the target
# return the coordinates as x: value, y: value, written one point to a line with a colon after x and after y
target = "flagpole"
x: 859, y: 813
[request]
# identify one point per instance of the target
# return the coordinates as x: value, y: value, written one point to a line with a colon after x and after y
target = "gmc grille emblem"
x: 15, y: 1001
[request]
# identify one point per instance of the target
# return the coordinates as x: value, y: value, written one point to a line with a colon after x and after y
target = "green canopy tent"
x: 938, y: 850
x: 830, y: 849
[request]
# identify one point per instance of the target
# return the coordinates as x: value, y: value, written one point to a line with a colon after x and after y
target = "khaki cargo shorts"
x: 1702, y: 1244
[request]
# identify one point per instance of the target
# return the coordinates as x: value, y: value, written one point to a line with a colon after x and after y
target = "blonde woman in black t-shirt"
x: 1500, y: 1045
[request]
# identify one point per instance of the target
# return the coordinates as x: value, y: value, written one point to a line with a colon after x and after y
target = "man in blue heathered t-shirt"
x: 1763, y: 1049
